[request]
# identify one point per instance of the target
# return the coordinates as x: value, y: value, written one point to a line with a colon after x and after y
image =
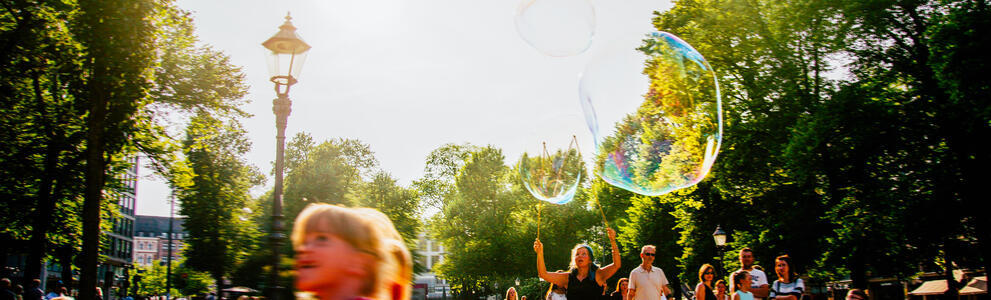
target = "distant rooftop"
x: 155, y: 225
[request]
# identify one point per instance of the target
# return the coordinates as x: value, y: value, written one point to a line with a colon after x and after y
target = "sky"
x: 408, y: 76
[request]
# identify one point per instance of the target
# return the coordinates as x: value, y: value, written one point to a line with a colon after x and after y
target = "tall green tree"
x: 43, y: 130
x: 85, y: 88
x: 329, y: 172
x: 214, y: 194
x: 489, y: 221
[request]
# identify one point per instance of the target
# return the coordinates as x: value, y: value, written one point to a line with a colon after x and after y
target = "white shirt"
x: 647, y: 284
x: 757, y: 278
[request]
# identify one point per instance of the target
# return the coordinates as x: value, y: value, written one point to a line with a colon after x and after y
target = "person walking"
x: 704, y: 290
x: 5, y: 290
x: 648, y: 282
x: 585, y: 279
x: 758, y: 280
x: 34, y: 291
x: 788, y: 286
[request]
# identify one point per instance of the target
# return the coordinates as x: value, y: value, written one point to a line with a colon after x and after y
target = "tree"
x: 213, y: 192
x: 401, y: 205
x: 188, y: 282
x: 328, y: 172
x: 488, y: 220
x: 77, y: 88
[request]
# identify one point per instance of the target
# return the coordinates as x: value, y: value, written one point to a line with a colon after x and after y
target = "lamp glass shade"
x: 281, y: 64
x: 719, y: 237
x: 286, y: 52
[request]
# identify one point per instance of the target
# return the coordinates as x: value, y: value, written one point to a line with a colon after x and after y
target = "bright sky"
x: 407, y: 76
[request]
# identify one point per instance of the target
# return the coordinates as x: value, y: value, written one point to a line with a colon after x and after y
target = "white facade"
x: 430, y: 254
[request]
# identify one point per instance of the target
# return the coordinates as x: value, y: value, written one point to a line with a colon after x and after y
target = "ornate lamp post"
x: 287, y: 51
x: 720, y: 238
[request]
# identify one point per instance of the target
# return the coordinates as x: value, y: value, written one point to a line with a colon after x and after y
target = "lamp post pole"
x: 281, y: 106
x: 287, y: 52
x: 719, y: 236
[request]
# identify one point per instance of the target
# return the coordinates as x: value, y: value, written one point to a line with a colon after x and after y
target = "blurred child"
x: 338, y: 252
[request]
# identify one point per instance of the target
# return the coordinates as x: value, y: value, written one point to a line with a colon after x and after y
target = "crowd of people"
x: 345, y: 253
x: 9, y: 291
x: 587, y: 281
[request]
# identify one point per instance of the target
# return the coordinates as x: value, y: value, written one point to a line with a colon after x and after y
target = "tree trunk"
x: 65, y: 259
x: 95, y: 175
x: 41, y: 217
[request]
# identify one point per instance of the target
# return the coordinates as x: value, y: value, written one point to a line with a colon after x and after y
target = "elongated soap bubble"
x: 551, y: 164
x: 556, y: 27
x: 655, y: 114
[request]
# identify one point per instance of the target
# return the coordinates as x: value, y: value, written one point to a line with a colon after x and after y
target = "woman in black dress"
x: 585, y: 280
x: 703, y: 291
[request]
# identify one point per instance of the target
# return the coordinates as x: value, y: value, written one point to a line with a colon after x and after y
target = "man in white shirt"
x: 758, y: 280
x: 648, y: 282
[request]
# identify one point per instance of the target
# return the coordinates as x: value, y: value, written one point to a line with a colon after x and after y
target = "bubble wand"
x: 551, y: 178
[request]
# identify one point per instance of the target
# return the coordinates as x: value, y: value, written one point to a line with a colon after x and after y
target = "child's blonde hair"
x: 397, y: 265
x: 349, y: 224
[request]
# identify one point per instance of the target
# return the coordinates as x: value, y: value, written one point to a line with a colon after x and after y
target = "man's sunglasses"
x: 649, y: 254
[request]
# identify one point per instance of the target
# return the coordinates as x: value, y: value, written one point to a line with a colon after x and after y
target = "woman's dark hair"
x: 702, y: 272
x: 792, y: 276
x: 574, y: 252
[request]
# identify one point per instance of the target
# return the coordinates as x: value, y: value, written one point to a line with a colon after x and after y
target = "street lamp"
x: 720, y: 238
x: 287, y: 51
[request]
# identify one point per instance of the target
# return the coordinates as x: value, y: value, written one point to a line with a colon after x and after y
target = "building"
x: 430, y: 253
x: 118, y: 250
x: 145, y: 250
x: 151, y: 239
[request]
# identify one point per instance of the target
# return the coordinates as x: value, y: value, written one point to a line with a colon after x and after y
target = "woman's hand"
x: 612, y: 234
x: 538, y: 246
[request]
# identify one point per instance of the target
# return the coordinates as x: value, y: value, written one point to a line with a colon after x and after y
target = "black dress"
x: 709, y: 295
x: 587, y: 289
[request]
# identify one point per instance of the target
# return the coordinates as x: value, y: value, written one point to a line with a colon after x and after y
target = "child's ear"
x: 358, y: 267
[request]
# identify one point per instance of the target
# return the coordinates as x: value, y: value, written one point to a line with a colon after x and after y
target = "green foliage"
x: 83, y: 88
x: 329, y: 172
x: 219, y: 180
x: 488, y: 221
x: 400, y: 204
x: 185, y: 281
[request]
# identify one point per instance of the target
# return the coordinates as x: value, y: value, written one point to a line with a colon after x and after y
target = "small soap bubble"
x: 655, y: 114
x: 556, y: 27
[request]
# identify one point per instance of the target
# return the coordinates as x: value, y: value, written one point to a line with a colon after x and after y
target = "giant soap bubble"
x: 551, y: 164
x: 556, y: 27
x: 655, y: 114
